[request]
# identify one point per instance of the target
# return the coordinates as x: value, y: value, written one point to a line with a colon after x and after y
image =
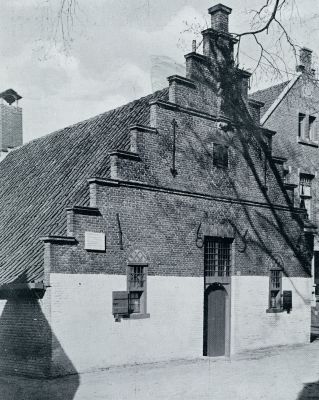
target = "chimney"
x: 10, y: 122
x: 219, y: 17
x: 218, y: 43
x: 305, y: 60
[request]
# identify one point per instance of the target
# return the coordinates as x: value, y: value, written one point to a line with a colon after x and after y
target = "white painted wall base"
x: 253, y: 328
x: 83, y: 323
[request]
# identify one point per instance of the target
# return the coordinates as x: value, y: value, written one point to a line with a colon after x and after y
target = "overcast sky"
x: 120, y: 50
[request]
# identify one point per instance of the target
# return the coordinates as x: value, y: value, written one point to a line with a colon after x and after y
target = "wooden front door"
x: 215, y: 321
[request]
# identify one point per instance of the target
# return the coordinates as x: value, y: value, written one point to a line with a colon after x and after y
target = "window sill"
x: 308, y: 142
x: 137, y: 316
x: 274, y: 310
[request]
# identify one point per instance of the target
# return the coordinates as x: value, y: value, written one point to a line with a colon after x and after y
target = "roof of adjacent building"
x: 268, y: 95
x: 39, y: 180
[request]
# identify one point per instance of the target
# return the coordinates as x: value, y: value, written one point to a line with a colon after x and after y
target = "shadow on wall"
x: 27, y: 346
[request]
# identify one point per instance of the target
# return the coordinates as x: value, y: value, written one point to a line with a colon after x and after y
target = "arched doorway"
x: 215, y: 320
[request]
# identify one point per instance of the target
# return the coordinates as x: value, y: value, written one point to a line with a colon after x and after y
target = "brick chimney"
x: 10, y: 122
x: 219, y: 17
x: 305, y: 60
x: 217, y: 42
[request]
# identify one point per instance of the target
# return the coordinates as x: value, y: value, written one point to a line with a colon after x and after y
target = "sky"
x: 115, y: 51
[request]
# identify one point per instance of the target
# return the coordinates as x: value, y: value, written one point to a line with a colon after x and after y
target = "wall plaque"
x: 94, y: 241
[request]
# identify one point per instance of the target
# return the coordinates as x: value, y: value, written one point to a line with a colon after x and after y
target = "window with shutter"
x: 136, y: 287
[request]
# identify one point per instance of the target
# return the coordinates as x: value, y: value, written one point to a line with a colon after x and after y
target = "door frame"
x: 209, y: 287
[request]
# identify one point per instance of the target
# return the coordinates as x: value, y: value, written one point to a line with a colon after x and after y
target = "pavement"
x: 281, y: 373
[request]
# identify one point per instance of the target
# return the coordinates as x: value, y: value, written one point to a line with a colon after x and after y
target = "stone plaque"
x: 94, y: 241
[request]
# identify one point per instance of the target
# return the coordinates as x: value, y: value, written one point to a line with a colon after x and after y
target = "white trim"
x: 279, y: 99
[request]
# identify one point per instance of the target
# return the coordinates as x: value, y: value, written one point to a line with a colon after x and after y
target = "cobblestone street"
x: 285, y: 373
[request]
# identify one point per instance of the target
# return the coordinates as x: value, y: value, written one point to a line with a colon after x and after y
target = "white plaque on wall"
x: 94, y: 241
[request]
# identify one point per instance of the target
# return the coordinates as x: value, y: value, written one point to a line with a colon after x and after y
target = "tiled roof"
x: 40, y: 179
x: 268, y: 96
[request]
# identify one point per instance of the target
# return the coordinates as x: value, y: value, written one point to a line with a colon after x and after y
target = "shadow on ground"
x: 19, y: 388
x: 309, y: 392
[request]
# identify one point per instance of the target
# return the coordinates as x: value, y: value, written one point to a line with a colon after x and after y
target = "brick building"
x: 291, y: 108
x: 163, y: 229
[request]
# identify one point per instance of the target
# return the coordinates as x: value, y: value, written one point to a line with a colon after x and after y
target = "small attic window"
x: 220, y: 155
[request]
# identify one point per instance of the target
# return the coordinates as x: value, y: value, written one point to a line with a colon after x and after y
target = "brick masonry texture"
x: 10, y: 126
x: 142, y: 206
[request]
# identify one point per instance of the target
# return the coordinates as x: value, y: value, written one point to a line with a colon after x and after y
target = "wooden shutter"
x: 287, y: 300
x: 120, y: 303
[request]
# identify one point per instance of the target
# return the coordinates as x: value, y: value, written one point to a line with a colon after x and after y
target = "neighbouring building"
x: 10, y: 122
x: 292, y: 110
x: 163, y: 229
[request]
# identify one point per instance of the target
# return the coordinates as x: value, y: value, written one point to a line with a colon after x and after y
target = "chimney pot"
x: 219, y: 17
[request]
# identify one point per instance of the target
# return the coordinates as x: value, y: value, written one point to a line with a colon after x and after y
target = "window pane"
x: 217, y: 257
x: 135, y: 302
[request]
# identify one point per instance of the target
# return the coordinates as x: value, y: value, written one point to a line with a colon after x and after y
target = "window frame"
x: 305, y: 181
x: 218, y: 254
x: 275, y: 292
x: 134, y: 286
x: 307, y: 129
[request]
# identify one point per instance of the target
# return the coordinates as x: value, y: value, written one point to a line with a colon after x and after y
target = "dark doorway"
x: 214, y: 320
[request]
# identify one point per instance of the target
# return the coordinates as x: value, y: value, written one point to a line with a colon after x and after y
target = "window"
x: 220, y: 155
x: 217, y: 256
x: 301, y: 125
x: 136, y: 287
x: 305, y: 192
x: 307, y: 127
x: 275, y: 289
x: 312, y: 128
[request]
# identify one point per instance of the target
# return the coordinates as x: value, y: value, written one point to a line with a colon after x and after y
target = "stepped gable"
x: 39, y: 180
x: 268, y: 95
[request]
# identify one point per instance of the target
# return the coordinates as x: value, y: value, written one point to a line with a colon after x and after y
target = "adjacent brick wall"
x: 25, y: 337
x: 10, y: 126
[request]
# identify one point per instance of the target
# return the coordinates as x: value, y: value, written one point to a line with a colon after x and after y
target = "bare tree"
x: 269, y: 21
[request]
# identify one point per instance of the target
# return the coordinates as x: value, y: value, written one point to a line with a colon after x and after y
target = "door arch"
x: 215, y: 320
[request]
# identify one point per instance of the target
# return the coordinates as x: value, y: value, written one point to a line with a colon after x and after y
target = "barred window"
x: 136, y: 286
x: 275, y: 289
x: 217, y: 256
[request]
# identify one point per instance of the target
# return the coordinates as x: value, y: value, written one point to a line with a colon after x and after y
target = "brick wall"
x: 10, y: 126
x: 25, y: 336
